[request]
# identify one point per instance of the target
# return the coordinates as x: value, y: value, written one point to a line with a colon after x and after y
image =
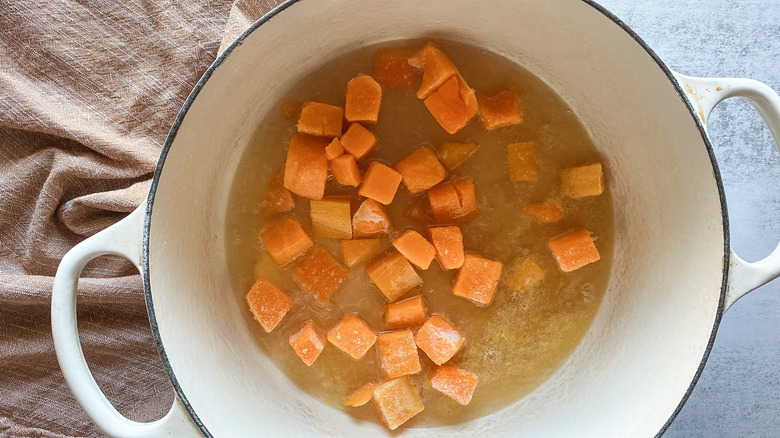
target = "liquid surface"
x: 514, y: 344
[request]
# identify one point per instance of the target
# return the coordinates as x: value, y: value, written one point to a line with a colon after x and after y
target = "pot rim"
x: 277, y: 10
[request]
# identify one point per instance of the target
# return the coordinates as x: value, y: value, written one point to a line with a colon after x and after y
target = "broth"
x: 520, y: 339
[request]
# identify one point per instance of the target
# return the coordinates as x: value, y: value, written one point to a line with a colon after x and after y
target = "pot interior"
x: 634, y: 366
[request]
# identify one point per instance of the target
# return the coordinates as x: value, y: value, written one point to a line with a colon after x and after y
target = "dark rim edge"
x: 275, y: 11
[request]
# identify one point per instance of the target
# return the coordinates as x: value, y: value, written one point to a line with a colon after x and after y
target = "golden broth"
x: 514, y: 344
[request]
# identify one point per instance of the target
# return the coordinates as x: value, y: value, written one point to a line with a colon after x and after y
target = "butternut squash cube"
x: 439, y: 339
x: 285, y: 240
x: 321, y: 119
x: 522, y: 162
x: 345, y: 170
x: 360, y: 396
x: 409, y: 313
x: 416, y: 248
x: 320, y: 274
x: 436, y: 66
x: 364, y: 97
x: 420, y: 170
x: 353, y: 336
x: 456, y: 383
x: 277, y: 198
x: 359, y: 250
x: 452, y: 200
x: 358, y: 141
x: 397, y: 401
x: 582, y: 181
x: 380, y: 183
x: 331, y: 217
x: 448, y: 242
x: 308, y: 343
x: 546, y: 212
x: 334, y: 149
x: 268, y: 304
x: 398, y: 353
x: 370, y: 220
x: 524, y: 275
x: 500, y: 110
x: 393, y: 276
x: 574, y: 250
x: 477, y: 279
x: 452, y: 105
x: 455, y: 154
x: 306, y: 168
x: 392, y: 69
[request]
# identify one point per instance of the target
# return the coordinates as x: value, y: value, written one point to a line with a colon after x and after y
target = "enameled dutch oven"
x: 673, y: 275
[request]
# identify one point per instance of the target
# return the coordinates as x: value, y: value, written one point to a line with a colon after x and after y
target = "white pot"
x: 673, y: 275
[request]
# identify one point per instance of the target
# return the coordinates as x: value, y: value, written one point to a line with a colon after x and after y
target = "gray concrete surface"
x: 738, y: 394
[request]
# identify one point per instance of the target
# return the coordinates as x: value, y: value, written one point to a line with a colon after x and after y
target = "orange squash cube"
x: 364, y: 96
x: 409, y: 313
x: 524, y: 275
x: 522, y: 162
x: 416, y: 248
x: 477, y: 279
x: 358, y: 140
x: 456, y: 383
x: 467, y: 197
x: 345, y: 170
x: 455, y: 154
x: 334, y: 149
x: 500, y: 110
x: 545, y: 212
x: 308, y: 343
x: 444, y: 202
x: 331, y: 217
x: 359, y: 250
x: 397, y: 401
x: 370, y: 220
x: 321, y: 119
x: 306, y: 168
x: 452, y: 105
x: 393, y: 276
x: 290, y: 109
x: 436, y: 66
x: 398, y: 353
x: 582, y: 181
x: 353, y: 336
x: 380, y: 183
x: 448, y: 243
x: 452, y: 200
x: 285, y: 240
x: 420, y: 170
x: 268, y: 304
x: 392, y: 69
x: 439, y: 339
x: 320, y: 274
x: 277, y: 198
x: 574, y: 250
x: 360, y: 396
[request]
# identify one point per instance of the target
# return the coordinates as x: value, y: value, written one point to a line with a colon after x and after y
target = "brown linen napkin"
x: 88, y: 91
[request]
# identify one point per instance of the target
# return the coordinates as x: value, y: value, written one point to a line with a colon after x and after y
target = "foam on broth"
x: 514, y: 344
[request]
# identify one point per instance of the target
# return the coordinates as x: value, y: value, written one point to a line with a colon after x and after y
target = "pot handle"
x: 123, y: 239
x: 705, y: 94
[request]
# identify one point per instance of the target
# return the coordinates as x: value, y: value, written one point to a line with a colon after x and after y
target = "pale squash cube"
x: 397, y: 401
x: 331, y: 217
x: 583, y: 181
